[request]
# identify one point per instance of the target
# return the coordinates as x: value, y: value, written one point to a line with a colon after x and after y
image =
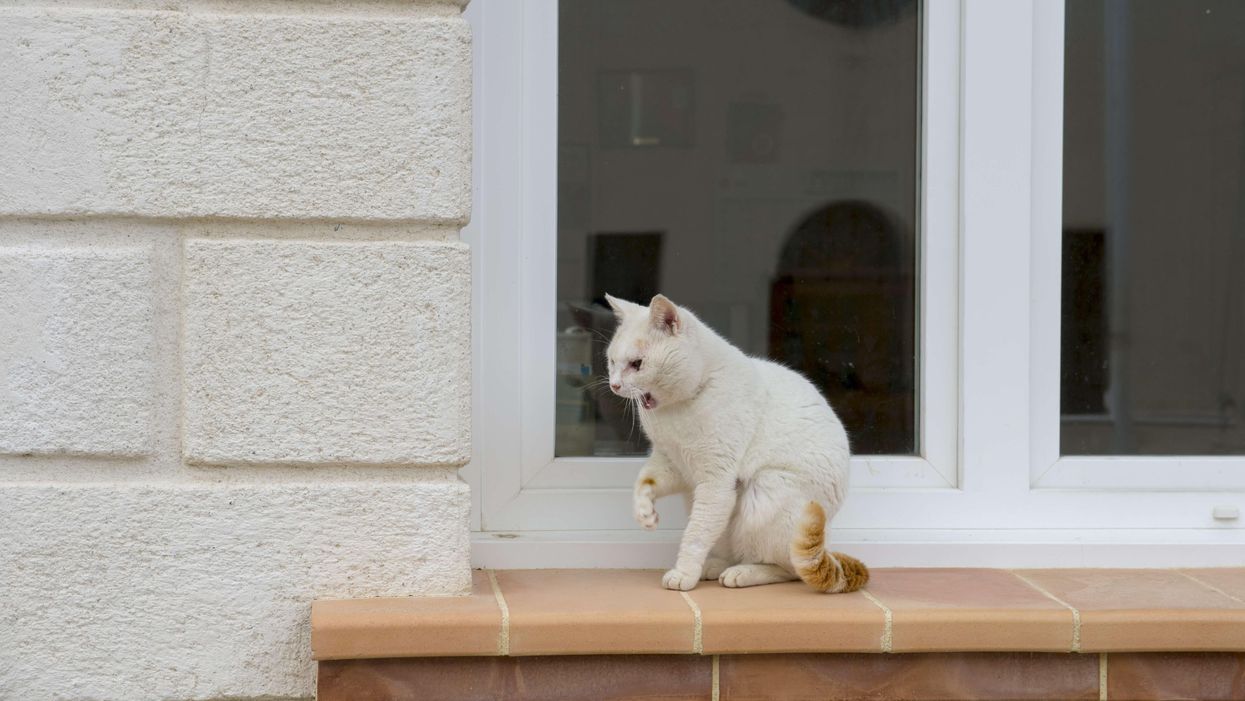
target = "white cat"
x: 755, y: 448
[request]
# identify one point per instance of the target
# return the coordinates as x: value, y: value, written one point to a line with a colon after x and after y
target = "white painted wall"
x: 234, y: 334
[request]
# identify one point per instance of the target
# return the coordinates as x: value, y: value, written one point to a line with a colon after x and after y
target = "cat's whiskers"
x: 636, y: 408
x: 596, y: 385
x: 601, y: 335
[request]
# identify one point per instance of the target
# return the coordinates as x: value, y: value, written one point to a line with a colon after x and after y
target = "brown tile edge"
x: 403, y: 627
x: 526, y: 678
x: 1140, y: 675
x: 1076, y: 615
x: 399, y: 646
x: 926, y: 675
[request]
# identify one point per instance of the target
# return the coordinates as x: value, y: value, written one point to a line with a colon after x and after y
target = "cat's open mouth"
x: 647, y: 401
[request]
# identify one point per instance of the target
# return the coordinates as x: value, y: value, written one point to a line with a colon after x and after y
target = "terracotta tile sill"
x: 590, y: 612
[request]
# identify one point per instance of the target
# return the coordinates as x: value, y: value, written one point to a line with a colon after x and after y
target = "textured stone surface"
x: 179, y: 113
x: 300, y: 352
x: 75, y: 350
x: 204, y: 592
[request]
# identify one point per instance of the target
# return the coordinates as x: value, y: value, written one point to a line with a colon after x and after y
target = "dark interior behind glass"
x: 1153, y: 361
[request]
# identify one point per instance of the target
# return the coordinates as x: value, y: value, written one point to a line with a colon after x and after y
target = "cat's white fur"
x: 750, y: 442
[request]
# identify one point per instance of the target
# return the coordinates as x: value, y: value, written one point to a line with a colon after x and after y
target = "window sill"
x: 598, y: 612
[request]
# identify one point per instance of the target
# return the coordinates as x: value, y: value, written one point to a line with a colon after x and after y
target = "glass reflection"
x: 756, y: 162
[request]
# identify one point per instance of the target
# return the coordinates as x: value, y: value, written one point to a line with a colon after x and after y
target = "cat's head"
x: 653, y: 357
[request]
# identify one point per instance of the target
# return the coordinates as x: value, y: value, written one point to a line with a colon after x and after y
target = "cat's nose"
x: 615, y: 386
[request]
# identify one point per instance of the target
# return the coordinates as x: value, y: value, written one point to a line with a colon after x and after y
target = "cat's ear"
x: 616, y: 304
x: 665, y: 315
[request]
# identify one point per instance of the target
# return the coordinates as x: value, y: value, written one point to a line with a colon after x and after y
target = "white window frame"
x: 989, y: 487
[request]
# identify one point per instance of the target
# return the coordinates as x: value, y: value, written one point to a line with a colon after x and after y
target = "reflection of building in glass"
x: 842, y: 311
x: 722, y: 135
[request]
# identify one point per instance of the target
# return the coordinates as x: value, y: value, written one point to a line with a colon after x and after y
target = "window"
x: 757, y: 162
x: 797, y: 171
x: 1154, y: 229
x: 1152, y: 255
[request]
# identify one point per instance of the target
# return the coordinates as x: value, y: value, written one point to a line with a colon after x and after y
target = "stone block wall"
x: 234, y: 333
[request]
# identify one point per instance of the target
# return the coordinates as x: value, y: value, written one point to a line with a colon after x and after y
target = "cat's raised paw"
x: 645, y: 513
x: 679, y: 581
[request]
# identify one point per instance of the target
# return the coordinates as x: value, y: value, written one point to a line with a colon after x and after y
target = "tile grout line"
x: 698, y: 645
x: 1102, y: 676
x: 1210, y: 586
x: 888, y: 631
x: 503, y: 635
x: 717, y: 686
x: 1076, y: 615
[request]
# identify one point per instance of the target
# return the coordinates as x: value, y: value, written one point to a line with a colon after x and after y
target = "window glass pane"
x: 1154, y: 228
x: 757, y: 163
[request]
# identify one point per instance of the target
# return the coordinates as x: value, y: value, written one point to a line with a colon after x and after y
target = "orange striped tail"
x: 826, y: 571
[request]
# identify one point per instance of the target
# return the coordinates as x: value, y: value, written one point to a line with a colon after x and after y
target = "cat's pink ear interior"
x: 665, y: 315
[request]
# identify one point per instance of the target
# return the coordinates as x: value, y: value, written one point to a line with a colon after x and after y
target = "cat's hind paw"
x: 645, y: 513
x: 679, y: 581
x: 713, y: 568
x: 753, y: 575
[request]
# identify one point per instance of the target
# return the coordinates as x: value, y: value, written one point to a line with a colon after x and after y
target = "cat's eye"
x: 635, y: 364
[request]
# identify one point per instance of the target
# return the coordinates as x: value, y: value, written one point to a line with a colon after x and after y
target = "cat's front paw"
x: 680, y: 581
x: 645, y: 513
